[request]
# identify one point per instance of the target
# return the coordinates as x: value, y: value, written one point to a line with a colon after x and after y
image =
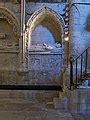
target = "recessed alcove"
x: 41, y: 35
x: 45, y: 32
x: 45, y: 39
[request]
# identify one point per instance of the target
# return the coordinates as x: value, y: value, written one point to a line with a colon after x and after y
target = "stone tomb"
x: 45, y: 63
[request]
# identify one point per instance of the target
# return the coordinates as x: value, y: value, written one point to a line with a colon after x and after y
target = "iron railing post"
x: 81, y: 65
x: 71, y: 73
x: 76, y: 72
x: 86, y: 61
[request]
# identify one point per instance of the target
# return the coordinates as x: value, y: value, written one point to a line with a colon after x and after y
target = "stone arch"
x: 38, y: 17
x: 11, y: 19
x: 53, y: 19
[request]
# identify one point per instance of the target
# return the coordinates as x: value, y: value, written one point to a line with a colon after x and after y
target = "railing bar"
x: 80, y: 54
x: 72, y: 83
x: 86, y: 61
x: 71, y: 73
x: 76, y: 71
x: 81, y: 65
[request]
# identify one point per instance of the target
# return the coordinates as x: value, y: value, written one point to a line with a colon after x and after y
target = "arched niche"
x: 9, y: 40
x: 47, y: 18
x: 8, y: 16
x: 42, y: 34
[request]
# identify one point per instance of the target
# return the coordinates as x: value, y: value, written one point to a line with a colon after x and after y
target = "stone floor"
x: 17, y: 109
x: 23, y: 108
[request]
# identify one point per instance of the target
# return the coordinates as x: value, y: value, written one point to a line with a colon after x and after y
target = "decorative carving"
x: 5, y: 14
x: 26, y: 54
x: 59, y: 20
x: 35, y: 62
x: 46, y: 47
x: 9, y: 47
x: 2, y: 35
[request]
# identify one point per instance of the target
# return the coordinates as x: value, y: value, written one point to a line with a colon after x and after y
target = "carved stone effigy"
x: 46, y: 48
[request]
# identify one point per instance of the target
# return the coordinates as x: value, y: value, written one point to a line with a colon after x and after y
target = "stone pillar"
x: 22, y: 41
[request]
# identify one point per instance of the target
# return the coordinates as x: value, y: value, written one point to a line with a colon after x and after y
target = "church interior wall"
x: 45, y: 68
x: 79, y: 27
x: 79, y: 38
x: 9, y: 41
x: 42, y: 69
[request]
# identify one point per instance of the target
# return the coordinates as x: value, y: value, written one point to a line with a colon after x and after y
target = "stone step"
x: 50, y: 105
x: 19, y: 105
x: 61, y: 104
x: 29, y: 95
x: 75, y: 101
x: 23, y: 110
x: 46, y: 115
x: 26, y: 100
x: 18, y: 109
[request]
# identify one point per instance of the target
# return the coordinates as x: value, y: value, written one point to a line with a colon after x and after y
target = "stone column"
x: 22, y: 41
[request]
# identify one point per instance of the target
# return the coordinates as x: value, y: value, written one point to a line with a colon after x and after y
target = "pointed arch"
x: 54, y: 19
x: 11, y: 19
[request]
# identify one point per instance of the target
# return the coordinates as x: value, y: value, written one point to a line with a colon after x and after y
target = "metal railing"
x: 78, y: 69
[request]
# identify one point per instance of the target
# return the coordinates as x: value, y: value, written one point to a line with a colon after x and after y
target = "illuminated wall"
x: 79, y: 26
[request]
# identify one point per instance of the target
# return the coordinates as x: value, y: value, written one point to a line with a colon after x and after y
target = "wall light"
x: 66, y: 38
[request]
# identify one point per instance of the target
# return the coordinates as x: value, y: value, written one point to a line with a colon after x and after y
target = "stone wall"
x: 79, y: 27
x: 45, y: 68
x: 42, y: 69
x: 9, y: 35
x: 9, y: 41
x: 32, y: 7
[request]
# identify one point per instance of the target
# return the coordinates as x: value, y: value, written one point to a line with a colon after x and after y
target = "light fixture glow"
x: 66, y: 38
